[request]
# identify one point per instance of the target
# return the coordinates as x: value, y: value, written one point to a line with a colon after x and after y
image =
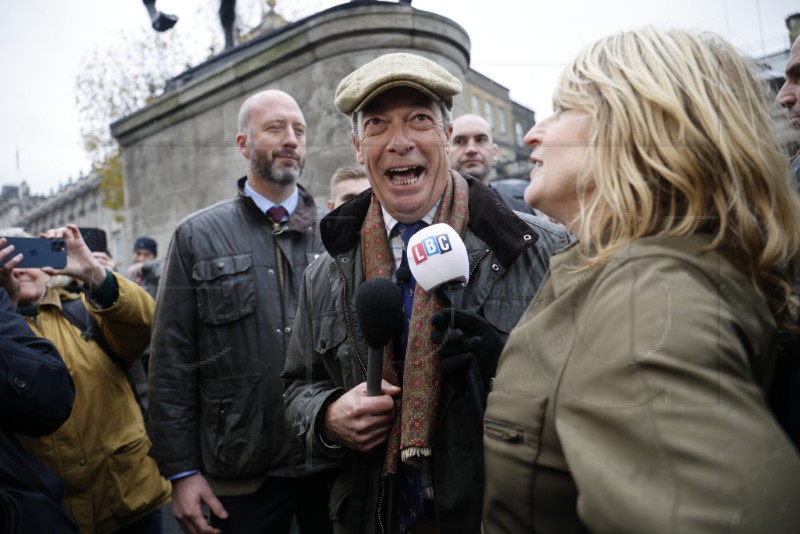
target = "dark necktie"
x: 277, y: 213
x: 408, y: 492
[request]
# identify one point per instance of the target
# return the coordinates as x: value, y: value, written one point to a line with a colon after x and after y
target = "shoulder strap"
x: 77, y: 314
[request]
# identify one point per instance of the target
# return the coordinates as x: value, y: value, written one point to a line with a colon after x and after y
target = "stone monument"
x: 179, y: 153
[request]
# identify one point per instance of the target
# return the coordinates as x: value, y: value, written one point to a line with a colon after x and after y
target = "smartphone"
x: 95, y: 239
x: 38, y: 252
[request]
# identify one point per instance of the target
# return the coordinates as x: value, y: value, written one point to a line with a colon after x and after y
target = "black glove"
x: 462, y: 336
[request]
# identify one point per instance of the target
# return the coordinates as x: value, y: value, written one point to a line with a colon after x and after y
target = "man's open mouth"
x: 405, y: 175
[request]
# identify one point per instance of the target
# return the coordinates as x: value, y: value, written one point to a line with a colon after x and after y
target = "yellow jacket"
x: 101, y: 451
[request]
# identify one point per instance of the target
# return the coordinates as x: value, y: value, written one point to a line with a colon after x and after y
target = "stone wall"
x: 179, y: 153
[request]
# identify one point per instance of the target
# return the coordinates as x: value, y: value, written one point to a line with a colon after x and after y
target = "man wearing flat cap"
x: 412, y: 457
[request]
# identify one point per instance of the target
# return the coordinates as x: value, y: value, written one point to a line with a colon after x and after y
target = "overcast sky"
x: 521, y: 44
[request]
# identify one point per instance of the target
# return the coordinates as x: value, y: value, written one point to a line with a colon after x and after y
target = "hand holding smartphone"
x: 38, y: 252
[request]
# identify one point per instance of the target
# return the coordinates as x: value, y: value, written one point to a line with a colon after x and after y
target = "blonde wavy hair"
x: 682, y: 142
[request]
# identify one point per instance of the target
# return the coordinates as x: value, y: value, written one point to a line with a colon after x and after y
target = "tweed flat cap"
x: 400, y: 69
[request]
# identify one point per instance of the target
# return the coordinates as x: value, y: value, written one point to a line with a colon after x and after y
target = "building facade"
x: 16, y: 202
x: 509, y: 121
x: 80, y: 202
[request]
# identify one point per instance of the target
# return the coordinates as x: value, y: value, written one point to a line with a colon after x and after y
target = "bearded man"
x: 227, y: 302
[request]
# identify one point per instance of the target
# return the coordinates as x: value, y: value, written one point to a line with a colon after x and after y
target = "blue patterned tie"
x: 408, y: 492
x: 406, y: 283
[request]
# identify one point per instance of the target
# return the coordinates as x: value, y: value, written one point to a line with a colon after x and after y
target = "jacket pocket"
x: 226, y: 288
x: 330, y: 339
x: 511, y: 439
x: 135, y: 486
x: 328, y: 330
x: 354, y: 495
x: 233, y: 441
x: 339, y: 493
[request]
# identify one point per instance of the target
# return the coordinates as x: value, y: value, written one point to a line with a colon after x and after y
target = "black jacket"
x: 36, y: 396
x: 225, y: 308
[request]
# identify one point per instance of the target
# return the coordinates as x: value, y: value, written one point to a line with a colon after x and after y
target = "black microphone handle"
x: 374, y: 371
x: 452, y: 294
x: 455, y: 293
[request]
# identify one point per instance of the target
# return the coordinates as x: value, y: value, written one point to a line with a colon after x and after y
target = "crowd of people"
x: 611, y: 364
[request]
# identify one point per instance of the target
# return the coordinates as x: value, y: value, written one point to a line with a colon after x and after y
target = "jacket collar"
x: 303, y: 220
x: 489, y: 219
x: 52, y: 297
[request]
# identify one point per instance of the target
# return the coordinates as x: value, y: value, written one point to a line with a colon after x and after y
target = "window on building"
x: 519, y: 133
x: 476, y: 105
x: 501, y: 120
x: 488, y: 114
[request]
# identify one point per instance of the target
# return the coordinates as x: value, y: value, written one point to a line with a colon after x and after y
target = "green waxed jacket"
x: 631, y: 399
x: 226, y: 304
x: 327, y: 356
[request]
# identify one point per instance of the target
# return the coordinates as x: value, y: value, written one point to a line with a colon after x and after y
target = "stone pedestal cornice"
x: 339, y: 31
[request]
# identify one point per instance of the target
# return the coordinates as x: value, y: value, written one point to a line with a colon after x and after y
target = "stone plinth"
x: 179, y: 152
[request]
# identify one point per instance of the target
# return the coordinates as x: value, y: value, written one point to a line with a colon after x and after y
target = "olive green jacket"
x: 631, y: 399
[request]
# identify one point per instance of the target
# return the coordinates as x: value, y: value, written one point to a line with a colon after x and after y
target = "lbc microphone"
x: 379, y: 308
x: 438, y: 259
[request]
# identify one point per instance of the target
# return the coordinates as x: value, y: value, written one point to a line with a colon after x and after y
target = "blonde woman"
x: 631, y: 396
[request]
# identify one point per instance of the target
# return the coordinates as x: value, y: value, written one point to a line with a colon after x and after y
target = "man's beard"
x: 270, y: 171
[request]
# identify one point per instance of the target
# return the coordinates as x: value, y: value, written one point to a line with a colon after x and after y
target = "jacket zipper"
x: 475, y: 265
x: 381, y: 492
x: 348, y: 321
x: 382, y: 484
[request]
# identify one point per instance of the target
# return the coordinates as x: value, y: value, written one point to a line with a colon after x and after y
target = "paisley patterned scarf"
x: 413, y: 428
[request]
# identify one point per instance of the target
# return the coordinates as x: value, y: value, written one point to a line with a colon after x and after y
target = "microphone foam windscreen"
x: 379, y: 308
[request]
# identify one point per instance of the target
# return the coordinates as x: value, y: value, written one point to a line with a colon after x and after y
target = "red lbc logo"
x: 430, y: 246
